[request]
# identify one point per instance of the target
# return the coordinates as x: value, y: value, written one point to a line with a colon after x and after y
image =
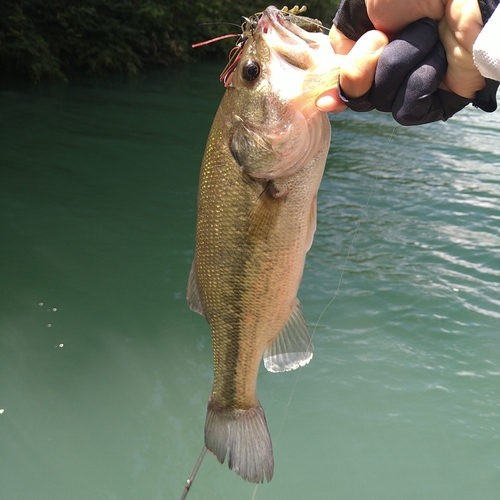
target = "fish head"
x: 282, y: 70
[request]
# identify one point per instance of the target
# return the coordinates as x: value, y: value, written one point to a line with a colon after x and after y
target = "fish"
x: 256, y: 217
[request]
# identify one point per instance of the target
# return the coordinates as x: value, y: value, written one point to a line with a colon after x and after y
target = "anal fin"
x: 293, y: 347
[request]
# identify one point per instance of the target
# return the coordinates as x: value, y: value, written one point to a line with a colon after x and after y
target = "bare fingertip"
x: 358, y: 72
x: 372, y: 42
x: 330, y: 103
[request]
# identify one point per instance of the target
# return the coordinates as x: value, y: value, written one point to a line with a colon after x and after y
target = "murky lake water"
x: 105, y: 372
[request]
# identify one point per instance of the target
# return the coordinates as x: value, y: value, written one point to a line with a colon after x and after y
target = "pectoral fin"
x: 293, y: 347
x: 193, y: 295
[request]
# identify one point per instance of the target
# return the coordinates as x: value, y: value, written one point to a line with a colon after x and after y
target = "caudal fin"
x: 242, y: 436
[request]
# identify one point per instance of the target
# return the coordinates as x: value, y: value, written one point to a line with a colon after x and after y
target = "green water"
x: 105, y: 372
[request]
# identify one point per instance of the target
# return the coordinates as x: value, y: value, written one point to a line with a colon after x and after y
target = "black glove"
x: 409, y: 72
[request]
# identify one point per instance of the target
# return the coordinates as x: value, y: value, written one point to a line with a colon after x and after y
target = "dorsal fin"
x: 293, y: 347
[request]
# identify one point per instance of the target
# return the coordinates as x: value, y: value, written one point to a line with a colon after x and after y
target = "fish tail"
x: 242, y: 436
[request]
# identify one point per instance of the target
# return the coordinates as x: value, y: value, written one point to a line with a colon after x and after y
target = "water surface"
x: 105, y: 373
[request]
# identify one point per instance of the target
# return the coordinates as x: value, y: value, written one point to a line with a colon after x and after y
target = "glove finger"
x: 352, y: 19
x: 399, y: 58
x: 419, y: 100
x: 440, y: 105
x: 360, y: 104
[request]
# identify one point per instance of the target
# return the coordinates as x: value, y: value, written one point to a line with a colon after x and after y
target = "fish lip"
x: 274, y: 17
x: 285, y: 38
x: 274, y: 14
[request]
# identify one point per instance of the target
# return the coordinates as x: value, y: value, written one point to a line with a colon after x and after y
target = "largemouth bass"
x: 259, y: 180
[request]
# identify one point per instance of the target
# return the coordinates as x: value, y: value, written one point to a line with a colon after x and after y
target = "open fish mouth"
x: 293, y: 37
x: 285, y: 16
x: 301, y: 57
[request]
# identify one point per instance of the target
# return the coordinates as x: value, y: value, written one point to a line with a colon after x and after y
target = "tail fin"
x: 243, y: 436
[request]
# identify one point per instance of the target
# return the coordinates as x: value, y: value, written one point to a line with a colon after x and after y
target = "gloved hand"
x: 410, y: 70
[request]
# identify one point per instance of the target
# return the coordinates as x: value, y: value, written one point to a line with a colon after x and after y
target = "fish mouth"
x: 289, y: 40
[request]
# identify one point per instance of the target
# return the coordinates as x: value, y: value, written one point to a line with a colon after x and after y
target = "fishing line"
x: 355, y: 232
x: 189, y: 482
x: 351, y: 246
x: 218, y: 23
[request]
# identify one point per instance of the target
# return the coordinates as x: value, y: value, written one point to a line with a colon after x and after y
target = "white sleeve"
x: 486, y: 48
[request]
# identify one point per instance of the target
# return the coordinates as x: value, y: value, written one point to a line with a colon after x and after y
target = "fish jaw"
x: 306, y: 61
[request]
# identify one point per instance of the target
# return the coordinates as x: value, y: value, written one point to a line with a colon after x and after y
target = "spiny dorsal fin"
x: 293, y: 347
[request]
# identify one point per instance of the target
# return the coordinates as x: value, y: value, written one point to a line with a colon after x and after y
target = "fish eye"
x: 251, y: 70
